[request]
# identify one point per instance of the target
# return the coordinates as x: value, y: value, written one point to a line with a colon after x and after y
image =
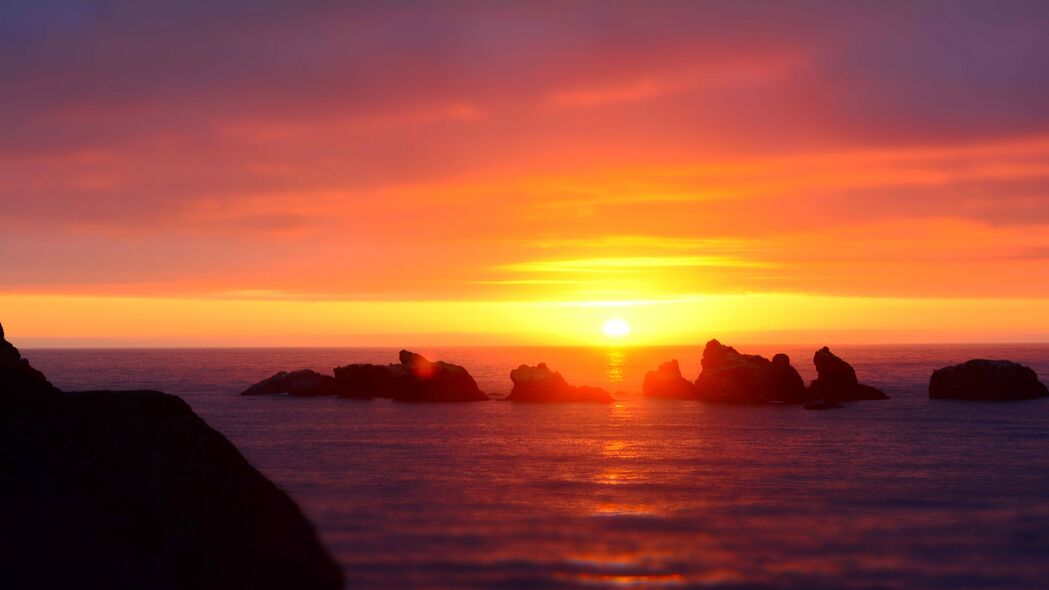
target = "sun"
x: 616, y: 328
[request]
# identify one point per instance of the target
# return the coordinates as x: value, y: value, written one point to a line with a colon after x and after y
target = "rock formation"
x: 540, y: 384
x: 17, y: 377
x: 304, y: 383
x: 667, y: 382
x: 982, y: 379
x: 364, y: 380
x: 419, y: 380
x: 836, y: 380
x: 127, y: 490
x: 731, y: 377
x: 415, y: 379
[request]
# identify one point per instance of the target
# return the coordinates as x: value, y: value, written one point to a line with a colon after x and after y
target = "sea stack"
x: 667, y: 382
x: 734, y: 378
x: 539, y: 384
x: 836, y: 380
x: 415, y: 379
x: 304, y: 383
x: 986, y: 380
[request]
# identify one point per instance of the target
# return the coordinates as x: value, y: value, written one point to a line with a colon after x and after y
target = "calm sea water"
x: 905, y: 493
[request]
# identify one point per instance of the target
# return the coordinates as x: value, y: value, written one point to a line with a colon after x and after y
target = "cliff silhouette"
x: 130, y: 490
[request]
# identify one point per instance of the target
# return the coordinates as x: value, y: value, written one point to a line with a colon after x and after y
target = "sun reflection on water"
x: 620, y: 449
x: 614, y: 372
x: 630, y: 569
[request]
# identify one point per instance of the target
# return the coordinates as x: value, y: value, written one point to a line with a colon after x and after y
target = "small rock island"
x: 130, y: 489
x: 304, y: 383
x: 539, y: 384
x: 986, y: 380
x: 667, y: 382
x: 731, y: 377
x: 413, y: 379
x: 836, y: 380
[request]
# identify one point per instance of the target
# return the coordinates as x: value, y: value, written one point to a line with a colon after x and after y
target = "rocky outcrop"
x: 981, y: 379
x: 731, y: 377
x: 415, y: 379
x: 128, y: 490
x: 836, y: 380
x: 17, y: 377
x: 539, y: 384
x: 304, y: 383
x: 364, y: 380
x: 667, y: 382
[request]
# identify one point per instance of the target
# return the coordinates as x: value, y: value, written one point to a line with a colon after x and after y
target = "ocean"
x: 904, y: 493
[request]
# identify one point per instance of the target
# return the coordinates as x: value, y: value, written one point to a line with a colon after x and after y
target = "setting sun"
x: 616, y: 328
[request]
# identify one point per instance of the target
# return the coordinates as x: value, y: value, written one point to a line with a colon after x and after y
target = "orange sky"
x: 357, y: 175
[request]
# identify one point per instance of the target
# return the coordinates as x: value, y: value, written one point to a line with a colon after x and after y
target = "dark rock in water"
x: 540, y: 384
x: 129, y: 490
x: 415, y: 379
x: 731, y: 377
x: 419, y: 380
x: 836, y: 380
x: 363, y: 380
x: 304, y: 383
x: 823, y: 404
x: 17, y: 377
x: 667, y: 382
x: 981, y: 379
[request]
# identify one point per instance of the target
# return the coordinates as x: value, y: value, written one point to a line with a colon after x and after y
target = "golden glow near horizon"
x: 49, y: 321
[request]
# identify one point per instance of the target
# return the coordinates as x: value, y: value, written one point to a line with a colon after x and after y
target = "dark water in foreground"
x: 905, y: 493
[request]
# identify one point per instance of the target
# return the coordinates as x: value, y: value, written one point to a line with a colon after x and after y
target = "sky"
x: 332, y: 173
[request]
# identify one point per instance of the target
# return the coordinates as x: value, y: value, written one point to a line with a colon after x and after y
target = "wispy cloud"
x: 629, y: 264
x: 484, y: 151
x: 736, y: 71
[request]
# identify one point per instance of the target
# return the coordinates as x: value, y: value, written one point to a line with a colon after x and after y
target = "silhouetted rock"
x: 419, y: 380
x: 364, y: 380
x: 836, y: 380
x: 304, y: 383
x: 731, y: 377
x: 415, y: 379
x: 540, y: 384
x: 17, y: 377
x: 982, y: 379
x: 129, y: 490
x: 667, y: 382
x: 823, y: 404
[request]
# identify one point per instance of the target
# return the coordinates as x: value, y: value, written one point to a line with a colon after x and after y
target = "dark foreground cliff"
x: 132, y: 490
